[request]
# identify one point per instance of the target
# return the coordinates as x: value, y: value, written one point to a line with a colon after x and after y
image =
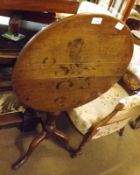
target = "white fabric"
x: 134, y: 65
x: 9, y: 103
x: 101, y: 8
x: 89, y: 7
x: 90, y: 113
x: 108, y: 129
x: 131, y: 101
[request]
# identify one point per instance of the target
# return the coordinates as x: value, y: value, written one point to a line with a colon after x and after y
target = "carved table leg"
x: 64, y: 137
x: 49, y: 129
x: 31, y: 148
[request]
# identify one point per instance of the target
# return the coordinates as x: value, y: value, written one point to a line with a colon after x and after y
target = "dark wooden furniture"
x: 135, y: 124
x: 69, y: 59
x: 9, y: 50
x: 36, y: 16
x: 36, y: 11
x: 56, y: 72
x: 39, y: 11
x: 127, y: 9
x: 68, y: 85
x: 61, y: 6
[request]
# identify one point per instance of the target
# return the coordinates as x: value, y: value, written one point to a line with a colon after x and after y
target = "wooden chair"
x: 107, y: 114
x: 131, y: 79
x: 88, y: 118
x: 88, y: 125
x: 119, y: 8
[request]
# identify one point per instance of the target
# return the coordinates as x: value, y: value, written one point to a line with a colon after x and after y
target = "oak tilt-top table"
x: 69, y: 63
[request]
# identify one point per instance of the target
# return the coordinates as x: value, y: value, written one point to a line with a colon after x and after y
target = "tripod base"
x: 48, y: 130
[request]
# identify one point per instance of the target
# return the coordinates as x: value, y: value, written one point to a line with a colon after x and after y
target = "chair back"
x: 121, y: 8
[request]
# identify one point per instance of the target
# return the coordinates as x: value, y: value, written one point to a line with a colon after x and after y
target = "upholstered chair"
x: 107, y: 114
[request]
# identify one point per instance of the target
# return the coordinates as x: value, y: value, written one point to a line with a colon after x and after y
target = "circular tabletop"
x: 72, y: 62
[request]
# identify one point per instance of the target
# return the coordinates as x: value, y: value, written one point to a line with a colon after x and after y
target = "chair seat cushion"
x: 85, y: 116
x: 132, y: 75
x: 94, y: 111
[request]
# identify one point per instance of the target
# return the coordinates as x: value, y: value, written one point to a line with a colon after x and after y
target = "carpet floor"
x: 110, y: 155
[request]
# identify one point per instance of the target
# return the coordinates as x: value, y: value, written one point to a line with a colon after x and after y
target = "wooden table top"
x: 71, y: 62
x: 62, y: 6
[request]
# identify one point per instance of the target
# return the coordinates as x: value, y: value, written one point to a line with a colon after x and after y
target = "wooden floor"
x: 111, y: 155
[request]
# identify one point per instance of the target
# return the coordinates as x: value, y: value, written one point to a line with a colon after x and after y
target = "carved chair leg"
x: 65, y: 138
x: 121, y: 131
x: 36, y: 141
x: 85, y: 139
x: 135, y: 124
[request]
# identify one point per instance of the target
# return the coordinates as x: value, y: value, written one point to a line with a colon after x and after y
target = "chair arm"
x: 130, y: 101
x: 125, y: 103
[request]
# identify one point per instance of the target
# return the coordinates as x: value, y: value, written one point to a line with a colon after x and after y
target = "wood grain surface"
x: 72, y: 62
x: 62, y: 6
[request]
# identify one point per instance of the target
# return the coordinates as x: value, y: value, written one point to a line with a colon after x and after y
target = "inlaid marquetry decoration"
x: 72, y: 62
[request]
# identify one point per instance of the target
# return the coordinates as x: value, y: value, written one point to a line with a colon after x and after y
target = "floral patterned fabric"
x: 132, y: 76
x: 85, y: 116
x: 9, y: 103
x: 109, y: 129
x: 131, y: 101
